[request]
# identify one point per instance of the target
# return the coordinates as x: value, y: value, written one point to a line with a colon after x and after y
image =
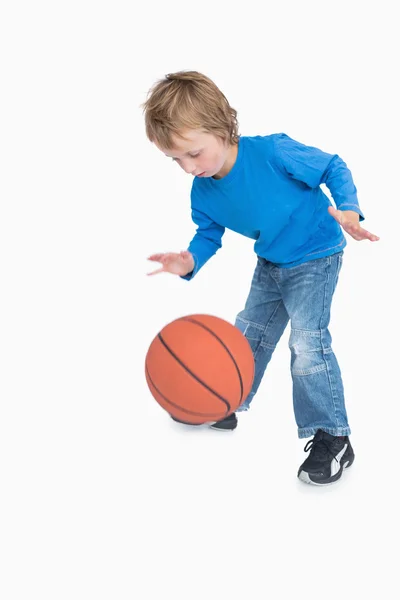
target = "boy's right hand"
x: 180, y: 263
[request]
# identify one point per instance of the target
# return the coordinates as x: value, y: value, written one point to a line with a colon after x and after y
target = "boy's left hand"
x: 350, y: 221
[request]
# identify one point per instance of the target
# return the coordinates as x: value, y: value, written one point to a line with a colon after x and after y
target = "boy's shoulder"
x: 265, y: 142
x: 265, y: 138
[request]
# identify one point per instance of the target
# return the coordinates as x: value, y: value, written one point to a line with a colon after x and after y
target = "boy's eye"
x: 191, y: 156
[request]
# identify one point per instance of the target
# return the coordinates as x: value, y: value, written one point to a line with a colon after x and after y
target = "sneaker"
x: 227, y: 424
x: 328, y: 458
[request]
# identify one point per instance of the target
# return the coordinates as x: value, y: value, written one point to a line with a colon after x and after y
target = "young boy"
x: 268, y: 189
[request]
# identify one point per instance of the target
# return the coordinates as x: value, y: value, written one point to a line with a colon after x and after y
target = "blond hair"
x: 188, y: 100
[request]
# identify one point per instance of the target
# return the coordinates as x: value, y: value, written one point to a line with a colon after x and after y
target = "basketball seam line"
x: 185, y: 410
x: 193, y: 374
x: 226, y: 348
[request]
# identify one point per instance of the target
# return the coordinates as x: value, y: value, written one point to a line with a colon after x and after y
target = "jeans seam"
x: 261, y: 328
x: 305, y: 432
x: 312, y: 371
x: 253, y: 323
x: 333, y: 395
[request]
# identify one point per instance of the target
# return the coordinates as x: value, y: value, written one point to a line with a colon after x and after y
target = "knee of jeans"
x: 308, y: 349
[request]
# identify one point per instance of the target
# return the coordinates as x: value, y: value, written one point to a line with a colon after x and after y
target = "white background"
x: 101, y: 495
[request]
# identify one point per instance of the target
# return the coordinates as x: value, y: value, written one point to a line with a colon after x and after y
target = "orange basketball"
x: 199, y: 368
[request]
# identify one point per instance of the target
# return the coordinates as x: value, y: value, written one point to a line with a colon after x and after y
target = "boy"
x: 268, y: 188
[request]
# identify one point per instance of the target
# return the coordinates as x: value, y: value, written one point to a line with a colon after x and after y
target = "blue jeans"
x: 303, y: 296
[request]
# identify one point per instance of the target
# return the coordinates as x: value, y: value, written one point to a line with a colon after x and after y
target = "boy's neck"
x: 229, y: 162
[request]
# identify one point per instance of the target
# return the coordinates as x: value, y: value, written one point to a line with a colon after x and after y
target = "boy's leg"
x: 318, y: 395
x: 262, y: 321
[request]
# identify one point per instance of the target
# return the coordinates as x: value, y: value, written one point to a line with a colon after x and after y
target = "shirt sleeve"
x: 313, y: 167
x: 206, y: 241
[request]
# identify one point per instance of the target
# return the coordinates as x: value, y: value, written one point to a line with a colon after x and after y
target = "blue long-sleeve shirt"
x: 272, y: 194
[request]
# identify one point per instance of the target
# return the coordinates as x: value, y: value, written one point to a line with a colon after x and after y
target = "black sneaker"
x: 328, y: 458
x: 227, y: 424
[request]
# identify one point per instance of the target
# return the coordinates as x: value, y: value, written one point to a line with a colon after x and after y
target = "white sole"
x: 303, y: 476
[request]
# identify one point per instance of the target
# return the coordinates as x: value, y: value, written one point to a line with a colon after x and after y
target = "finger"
x: 362, y: 234
x: 155, y: 256
x: 366, y: 235
x: 336, y: 214
x: 370, y: 236
x: 171, y: 255
x: 355, y: 233
x: 331, y: 211
x: 354, y: 230
x: 167, y: 259
x: 156, y: 271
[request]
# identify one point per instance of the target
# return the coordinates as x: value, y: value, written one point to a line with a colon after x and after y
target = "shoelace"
x: 318, y: 449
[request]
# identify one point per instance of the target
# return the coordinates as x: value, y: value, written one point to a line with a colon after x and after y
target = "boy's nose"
x: 189, y: 168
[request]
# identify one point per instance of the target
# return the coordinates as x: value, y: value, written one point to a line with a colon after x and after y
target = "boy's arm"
x: 206, y: 241
x: 313, y: 167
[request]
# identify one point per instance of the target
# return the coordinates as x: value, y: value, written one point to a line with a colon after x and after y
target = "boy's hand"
x: 350, y: 221
x: 180, y: 263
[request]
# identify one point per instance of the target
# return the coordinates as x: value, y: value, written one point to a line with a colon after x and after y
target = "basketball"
x: 199, y: 368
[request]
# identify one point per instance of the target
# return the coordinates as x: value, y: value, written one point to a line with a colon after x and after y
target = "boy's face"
x: 202, y: 154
